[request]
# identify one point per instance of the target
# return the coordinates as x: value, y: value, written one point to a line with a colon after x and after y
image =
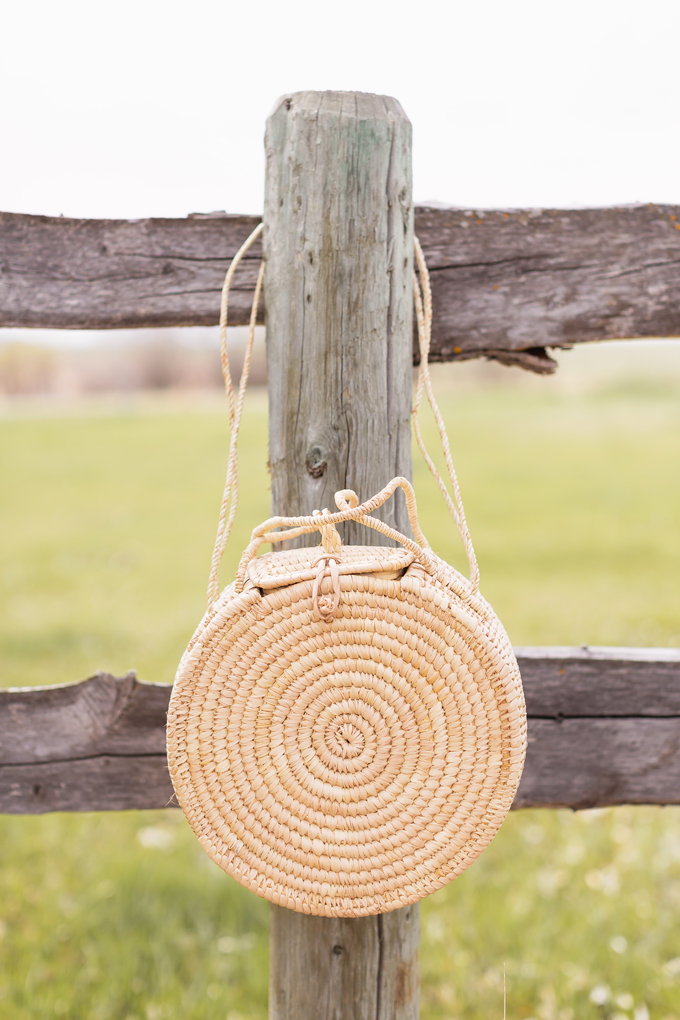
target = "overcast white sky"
x: 143, y: 108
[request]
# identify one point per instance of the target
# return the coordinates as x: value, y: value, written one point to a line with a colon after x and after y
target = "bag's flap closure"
x: 276, y: 569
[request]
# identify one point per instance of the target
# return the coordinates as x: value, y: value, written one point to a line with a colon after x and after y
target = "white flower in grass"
x: 156, y: 837
x: 599, y: 995
x: 672, y: 968
x: 236, y: 944
x: 605, y: 880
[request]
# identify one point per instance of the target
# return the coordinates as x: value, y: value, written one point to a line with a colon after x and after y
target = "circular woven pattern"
x: 351, y: 765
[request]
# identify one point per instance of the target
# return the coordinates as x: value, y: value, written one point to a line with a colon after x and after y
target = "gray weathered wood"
x: 102, y: 782
x: 594, y: 682
x: 506, y: 284
x: 584, y: 763
x: 338, y: 245
x: 604, y: 729
x: 101, y: 715
x: 604, y: 726
x: 98, y: 745
x: 61, y: 273
x: 339, y: 959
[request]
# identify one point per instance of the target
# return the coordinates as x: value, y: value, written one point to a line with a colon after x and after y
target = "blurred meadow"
x: 108, y: 513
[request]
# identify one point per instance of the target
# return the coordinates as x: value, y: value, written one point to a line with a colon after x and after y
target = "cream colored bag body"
x: 347, y: 728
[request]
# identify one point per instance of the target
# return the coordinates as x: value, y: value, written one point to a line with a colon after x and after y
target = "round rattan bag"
x: 347, y: 728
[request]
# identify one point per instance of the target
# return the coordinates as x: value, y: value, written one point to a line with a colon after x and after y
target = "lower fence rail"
x: 604, y: 729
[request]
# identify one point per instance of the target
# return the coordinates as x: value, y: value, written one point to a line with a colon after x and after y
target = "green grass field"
x: 107, y: 524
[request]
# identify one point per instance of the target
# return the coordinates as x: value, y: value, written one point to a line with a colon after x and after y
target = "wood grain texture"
x: 61, y: 273
x: 511, y: 281
x: 107, y: 782
x: 345, y: 960
x: 604, y: 728
x: 506, y: 284
x: 101, y: 715
x: 585, y: 763
x: 338, y: 243
x: 592, y: 682
x: 98, y: 745
x: 338, y: 246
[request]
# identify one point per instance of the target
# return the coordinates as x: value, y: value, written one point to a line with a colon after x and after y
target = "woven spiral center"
x: 342, y: 739
x: 346, y: 743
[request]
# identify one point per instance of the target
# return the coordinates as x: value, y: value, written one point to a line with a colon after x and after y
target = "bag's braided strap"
x: 423, y: 302
x: 230, y: 496
x: 302, y: 525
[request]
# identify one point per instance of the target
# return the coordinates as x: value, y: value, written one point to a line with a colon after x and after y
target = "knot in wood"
x: 315, y: 462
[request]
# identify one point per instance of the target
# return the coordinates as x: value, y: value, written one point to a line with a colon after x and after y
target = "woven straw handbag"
x: 347, y: 728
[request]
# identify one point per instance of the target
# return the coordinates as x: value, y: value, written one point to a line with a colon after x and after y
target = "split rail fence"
x: 604, y: 723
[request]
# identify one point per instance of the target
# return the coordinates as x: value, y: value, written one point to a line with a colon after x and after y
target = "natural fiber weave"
x: 347, y: 728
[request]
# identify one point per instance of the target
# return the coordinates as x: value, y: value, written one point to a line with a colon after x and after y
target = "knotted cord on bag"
x: 304, y: 525
x: 328, y: 561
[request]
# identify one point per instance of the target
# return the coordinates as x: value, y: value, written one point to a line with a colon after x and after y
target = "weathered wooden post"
x: 338, y: 248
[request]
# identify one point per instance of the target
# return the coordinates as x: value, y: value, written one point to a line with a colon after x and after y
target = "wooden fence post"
x: 338, y: 297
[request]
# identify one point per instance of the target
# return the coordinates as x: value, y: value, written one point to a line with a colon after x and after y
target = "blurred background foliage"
x: 108, y: 512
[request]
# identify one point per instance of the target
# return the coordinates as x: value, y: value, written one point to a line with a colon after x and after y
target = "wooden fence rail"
x: 506, y: 284
x: 604, y: 729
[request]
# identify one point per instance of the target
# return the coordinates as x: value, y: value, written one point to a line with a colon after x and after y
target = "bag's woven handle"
x: 350, y: 510
x: 305, y: 525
